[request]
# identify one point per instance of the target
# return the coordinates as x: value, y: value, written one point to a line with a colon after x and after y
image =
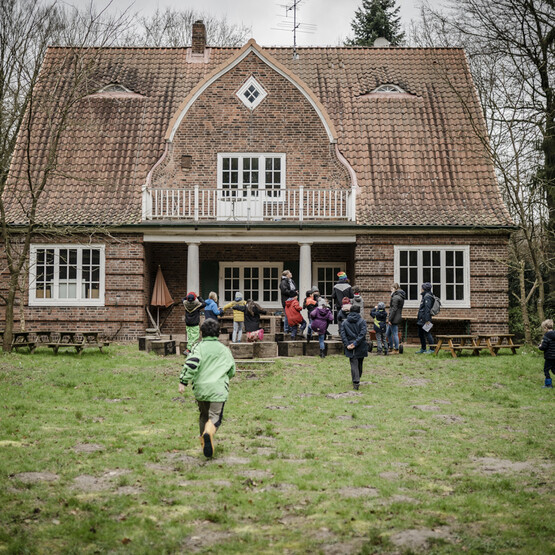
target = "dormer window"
x: 388, y: 88
x: 251, y: 94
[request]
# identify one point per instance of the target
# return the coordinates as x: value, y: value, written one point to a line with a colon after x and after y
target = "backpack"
x: 436, y: 307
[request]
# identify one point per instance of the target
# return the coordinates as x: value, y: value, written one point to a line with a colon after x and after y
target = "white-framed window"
x: 244, y: 174
x: 252, y: 93
x: 446, y: 268
x: 388, y: 88
x: 258, y: 281
x: 325, y: 277
x: 66, y: 275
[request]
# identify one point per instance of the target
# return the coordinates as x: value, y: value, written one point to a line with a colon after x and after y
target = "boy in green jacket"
x: 209, y: 367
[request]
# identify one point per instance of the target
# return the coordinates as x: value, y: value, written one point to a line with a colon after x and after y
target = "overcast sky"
x: 331, y: 17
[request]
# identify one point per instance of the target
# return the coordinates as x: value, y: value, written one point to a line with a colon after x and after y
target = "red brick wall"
x: 125, y: 276
x: 284, y: 122
x: 488, y: 277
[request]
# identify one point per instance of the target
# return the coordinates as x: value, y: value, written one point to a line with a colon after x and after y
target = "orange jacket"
x: 293, y: 312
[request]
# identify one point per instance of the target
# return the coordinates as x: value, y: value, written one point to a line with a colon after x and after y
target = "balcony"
x: 249, y: 205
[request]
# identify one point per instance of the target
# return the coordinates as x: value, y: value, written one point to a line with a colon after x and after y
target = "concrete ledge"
x: 265, y: 349
x: 242, y: 350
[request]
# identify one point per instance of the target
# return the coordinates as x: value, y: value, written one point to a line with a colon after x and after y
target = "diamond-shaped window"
x: 251, y: 93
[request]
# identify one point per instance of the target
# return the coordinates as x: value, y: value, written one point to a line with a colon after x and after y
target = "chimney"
x: 199, y: 37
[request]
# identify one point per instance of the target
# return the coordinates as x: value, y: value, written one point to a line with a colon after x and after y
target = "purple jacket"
x: 321, y: 318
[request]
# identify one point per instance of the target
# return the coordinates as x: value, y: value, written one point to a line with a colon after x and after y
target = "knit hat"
x: 315, y: 289
x: 346, y: 300
x: 355, y: 308
x: 427, y: 286
x: 238, y: 296
x: 191, y: 297
x: 342, y: 276
x: 381, y: 306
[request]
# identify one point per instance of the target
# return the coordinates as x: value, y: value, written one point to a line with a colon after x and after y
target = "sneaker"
x: 420, y: 351
x: 429, y: 352
x: 356, y: 386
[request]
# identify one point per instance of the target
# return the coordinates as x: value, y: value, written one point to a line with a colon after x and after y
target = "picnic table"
x: 440, y: 320
x: 504, y: 341
x: 457, y: 343
x: 23, y: 339
x: 78, y: 340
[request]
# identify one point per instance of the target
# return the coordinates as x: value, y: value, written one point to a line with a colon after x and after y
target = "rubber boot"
x: 548, y: 383
x: 208, y: 439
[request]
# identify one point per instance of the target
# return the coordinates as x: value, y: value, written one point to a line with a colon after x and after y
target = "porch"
x: 249, y: 204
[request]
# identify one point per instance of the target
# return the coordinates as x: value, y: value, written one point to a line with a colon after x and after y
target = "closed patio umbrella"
x: 161, y: 296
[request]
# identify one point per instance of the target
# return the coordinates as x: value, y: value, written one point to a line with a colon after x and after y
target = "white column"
x: 305, y: 269
x: 193, y: 268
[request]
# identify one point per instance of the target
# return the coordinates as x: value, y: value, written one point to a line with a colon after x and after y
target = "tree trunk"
x: 541, y: 296
x: 524, y: 304
x: 8, y: 329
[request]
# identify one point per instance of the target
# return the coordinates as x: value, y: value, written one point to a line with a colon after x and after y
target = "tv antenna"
x: 295, y: 26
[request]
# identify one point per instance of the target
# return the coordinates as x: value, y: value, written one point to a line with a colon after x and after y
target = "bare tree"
x: 510, y: 47
x: 171, y: 28
x: 38, y: 91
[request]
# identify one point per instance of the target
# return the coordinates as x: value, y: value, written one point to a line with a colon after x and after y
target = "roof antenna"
x: 296, y: 26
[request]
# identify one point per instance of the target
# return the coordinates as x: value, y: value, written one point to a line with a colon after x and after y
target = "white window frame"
x: 388, y: 88
x: 262, y: 156
x: 261, y: 96
x: 54, y: 300
x: 465, y: 303
x: 253, y: 264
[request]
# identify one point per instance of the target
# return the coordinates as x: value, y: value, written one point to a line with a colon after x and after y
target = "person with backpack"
x: 395, y: 317
x: 252, y: 321
x: 309, y: 304
x: 353, y: 334
x: 424, y: 319
x: 379, y: 315
x: 321, y: 319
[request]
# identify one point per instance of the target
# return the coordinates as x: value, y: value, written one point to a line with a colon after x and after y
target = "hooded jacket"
x: 341, y: 290
x: 238, y: 310
x: 321, y: 319
x: 396, y: 307
x: 380, y: 318
x: 192, y: 311
x: 288, y: 290
x: 252, y: 321
x: 353, y: 331
x: 548, y: 345
x: 211, y: 310
x: 424, y: 314
x: 209, y: 367
x: 357, y: 301
x: 293, y: 312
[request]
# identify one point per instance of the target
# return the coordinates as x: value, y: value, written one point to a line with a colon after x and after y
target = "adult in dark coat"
x: 353, y: 334
x: 341, y: 290
x: 425, y: 317
x: 548, y: 347
x: 288, y: 290
x: 395, y: 316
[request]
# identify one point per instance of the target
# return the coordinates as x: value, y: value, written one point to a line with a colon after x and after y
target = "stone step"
x: 242, y: 350
x: 265, y: 349
x: 163, y: 347
x: 300, y: 348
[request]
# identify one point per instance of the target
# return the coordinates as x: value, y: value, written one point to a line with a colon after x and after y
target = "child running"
x: 322, y: 317
x: 193, y: 306
x: 208, y: 367
x: 380, y: 327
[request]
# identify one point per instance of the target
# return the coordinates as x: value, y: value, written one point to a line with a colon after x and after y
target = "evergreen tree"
x: 377, y: 18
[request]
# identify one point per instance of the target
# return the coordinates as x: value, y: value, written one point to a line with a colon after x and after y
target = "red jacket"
x: 293, y: 312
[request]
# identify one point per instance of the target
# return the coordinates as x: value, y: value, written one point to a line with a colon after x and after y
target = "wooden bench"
x: 504, y: 341
x: 77, y: 340
x: 23, y: 339
x: 457, y: 343
x: 439, y: 320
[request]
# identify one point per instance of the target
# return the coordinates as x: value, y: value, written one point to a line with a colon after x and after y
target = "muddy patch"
x: 389, y: 475
x: 88, y: 448
x: 157, y: 467
x: 352, y: 493
x: 425, y: 408
x: 415, y: 382
x: 344, y: 417
x: 232, y: 460
x: 283, y: 487
x: 343, y: 548
x: 129, y: 490
x: 206, y: 535
x: 276, y: 407
x: 343, y: 395
x: 183, y: 458
x: 89, y: 483
x: 365, y: 427
x: 450, y: 418
x: 401, y: 499
x: 36, y: 477
x: 418, y: 540
x: 306, y: 395
x: 265, y: 451
x: 441, y: 402
x: 490, y: 465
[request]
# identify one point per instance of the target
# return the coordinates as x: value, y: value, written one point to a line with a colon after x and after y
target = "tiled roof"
x: 417, y: 157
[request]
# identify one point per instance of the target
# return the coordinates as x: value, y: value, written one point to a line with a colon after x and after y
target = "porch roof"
x: 417, y: 157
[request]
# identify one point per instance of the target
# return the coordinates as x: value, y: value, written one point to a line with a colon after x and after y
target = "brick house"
x: 227, y: 165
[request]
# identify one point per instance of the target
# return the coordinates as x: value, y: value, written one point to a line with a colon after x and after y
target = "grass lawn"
x: 99, y: 454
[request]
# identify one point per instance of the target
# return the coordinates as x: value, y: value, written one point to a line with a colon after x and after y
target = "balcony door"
x: 247, y: 182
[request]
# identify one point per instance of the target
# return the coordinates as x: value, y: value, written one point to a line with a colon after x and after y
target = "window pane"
x: 413, y: 292
x: 459, y: 258
x: 449, y: 258
x: 459, y: 274
x: 460, y: 292
x: 426, y: 258
x: 449, y: 293
x: 413, y: 258
x: 403, y: 258
x: 449, y: 275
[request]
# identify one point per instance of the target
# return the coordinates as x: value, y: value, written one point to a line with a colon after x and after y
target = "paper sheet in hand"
x: 427, y: 326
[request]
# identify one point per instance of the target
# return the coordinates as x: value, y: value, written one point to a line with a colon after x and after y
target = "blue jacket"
x: 548, y: 345
x: 353, y: 331
x: 380, y: 318
x: 425, y: 307
x: 211, y: 310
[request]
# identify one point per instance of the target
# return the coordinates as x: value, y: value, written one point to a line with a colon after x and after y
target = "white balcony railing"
x: 298, y: 204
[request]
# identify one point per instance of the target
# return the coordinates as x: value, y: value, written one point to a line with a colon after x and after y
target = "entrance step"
x: 265, y: 349
x: 242, y: 350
